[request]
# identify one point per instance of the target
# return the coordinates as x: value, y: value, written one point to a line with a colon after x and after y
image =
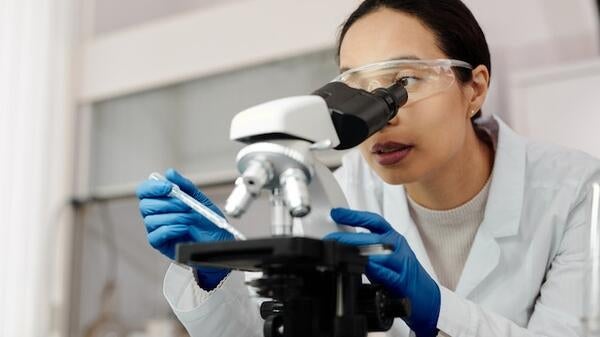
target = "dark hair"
x: 457, y: 31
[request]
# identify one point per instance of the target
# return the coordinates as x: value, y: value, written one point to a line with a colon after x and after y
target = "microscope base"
x: 316, y: 285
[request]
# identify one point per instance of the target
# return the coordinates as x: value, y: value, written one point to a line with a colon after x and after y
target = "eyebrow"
x: 397, y: 58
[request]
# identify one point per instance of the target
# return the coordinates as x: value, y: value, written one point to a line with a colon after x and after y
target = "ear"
x: 476, y: 89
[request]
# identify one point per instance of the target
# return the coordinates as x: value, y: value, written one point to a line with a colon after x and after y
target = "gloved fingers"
x: 354, y: 239
x: 371, y: 221
x: 211, y: 270
x: 184, y: 183
x: 150, y: 206
x: 392, y: 261
x: 153, y: 189
x: 390, y: 279
x: 188, y: 187
x: 163, y: 234
x: 209, y: 235
x: 155, y: 221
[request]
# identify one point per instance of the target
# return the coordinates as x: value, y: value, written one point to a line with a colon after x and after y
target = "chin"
x: 394, y: 175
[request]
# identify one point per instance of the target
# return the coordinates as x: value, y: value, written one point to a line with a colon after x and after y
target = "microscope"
x: 315, y: 286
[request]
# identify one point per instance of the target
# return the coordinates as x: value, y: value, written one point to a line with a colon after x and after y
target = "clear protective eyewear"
x: 421, y: 78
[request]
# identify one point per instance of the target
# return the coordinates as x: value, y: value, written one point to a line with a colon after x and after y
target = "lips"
x: 390, y: 153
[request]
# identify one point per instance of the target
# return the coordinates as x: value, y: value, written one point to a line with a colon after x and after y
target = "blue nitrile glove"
x: 400, y: 272
x: 170, y: 221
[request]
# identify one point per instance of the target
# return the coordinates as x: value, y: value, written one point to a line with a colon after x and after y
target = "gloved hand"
x: 399, y: 272
x: 169, y: 222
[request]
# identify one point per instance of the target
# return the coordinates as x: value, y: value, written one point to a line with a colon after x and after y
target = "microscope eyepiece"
x: 357, y: 114
x: 394, y: 96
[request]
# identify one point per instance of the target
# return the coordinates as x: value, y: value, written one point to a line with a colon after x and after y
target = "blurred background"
x: 97, y: 94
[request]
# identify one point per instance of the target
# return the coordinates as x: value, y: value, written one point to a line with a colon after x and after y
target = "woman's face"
x: 434, y: 129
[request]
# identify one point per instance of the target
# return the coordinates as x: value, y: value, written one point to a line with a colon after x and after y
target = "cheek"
x: 442, y: 129
x: 440, y: 145
x: 441, y: 123
x: 365, y: 151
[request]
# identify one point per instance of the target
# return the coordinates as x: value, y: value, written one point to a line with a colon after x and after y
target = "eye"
x: 407, y: 81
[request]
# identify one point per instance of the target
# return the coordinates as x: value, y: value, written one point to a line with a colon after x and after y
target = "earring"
x: 473, y: 112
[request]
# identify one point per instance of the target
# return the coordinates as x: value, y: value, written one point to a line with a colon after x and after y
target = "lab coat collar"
x: 502, y: 213
x: 505, y: 201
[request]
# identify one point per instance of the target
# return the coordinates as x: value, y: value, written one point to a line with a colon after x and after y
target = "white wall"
x: 559, y: 105
x: 524, y: 35
x: 113, y: 15
x: 206, y: 42
x: 521, y: 34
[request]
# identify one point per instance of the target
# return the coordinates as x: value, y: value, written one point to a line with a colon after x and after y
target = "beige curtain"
x: 35, y: 160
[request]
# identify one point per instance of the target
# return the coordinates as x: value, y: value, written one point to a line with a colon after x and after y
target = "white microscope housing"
x: 303, y: 117
x: 282, y: 137
x: 280, y: 159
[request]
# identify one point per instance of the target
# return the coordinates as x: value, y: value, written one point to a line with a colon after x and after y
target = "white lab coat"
x: 523, y: 275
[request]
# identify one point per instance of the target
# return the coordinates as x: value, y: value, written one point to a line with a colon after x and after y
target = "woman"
x: 487, y: 227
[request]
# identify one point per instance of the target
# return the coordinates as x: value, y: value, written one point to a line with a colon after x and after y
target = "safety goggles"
x: 421, y: 78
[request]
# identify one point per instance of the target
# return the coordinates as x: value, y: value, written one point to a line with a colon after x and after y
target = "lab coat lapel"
x: 502, y: 213
x: 483, y: 259
x: 395, y: 211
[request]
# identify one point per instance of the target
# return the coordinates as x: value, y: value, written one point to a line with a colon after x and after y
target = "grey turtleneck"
x: 448, y: 235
